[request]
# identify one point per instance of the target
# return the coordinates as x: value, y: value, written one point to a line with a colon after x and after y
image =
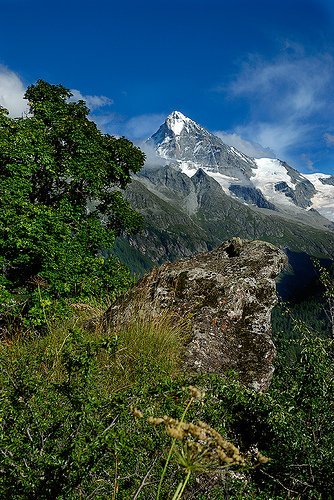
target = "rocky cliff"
x: 184, y: 216
x: 228, y: 295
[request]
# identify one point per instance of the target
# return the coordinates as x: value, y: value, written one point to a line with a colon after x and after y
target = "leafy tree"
x: 327, y: 280
x: 60, y: 203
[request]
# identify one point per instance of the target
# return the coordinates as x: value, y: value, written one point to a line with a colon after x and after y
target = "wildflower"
x: 195, y: 393
x: 137, y: 413
x: 262, y: 459
x: 155, y: 420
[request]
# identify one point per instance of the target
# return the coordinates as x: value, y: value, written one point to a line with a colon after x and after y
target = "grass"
x: 150, y: 345
x: 64, y: 391
x: 147, y: 344
x: 76, y: 404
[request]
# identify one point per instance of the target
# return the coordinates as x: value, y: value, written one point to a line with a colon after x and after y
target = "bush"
x: 70, y: 423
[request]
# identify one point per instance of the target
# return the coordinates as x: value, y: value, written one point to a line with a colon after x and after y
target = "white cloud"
x: 143, y: 126
x: 296, y: 85
x: 309, y: 164
x: 289, y: 99
x: 281, y: 136
x: 93, y: 101
x: 152, y: 161
x: 12, y: 91
x: 137, y: 128
x: 250, y: 148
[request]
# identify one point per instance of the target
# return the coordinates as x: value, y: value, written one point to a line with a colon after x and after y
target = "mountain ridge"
x: 190, y: 146
x: 201, y: 192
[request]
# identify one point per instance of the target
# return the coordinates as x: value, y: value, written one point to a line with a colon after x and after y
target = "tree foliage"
x: 61, y: 204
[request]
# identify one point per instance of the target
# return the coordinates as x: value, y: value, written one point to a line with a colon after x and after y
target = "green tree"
x: 327, y: 280
x: 60, y: 203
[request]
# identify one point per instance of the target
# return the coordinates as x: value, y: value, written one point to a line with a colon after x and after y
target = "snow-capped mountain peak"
x: 265, y: 182
x: 180, y: 139
x: 176, y: 122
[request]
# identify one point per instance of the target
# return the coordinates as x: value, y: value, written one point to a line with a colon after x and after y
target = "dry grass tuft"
x: 150, y: 345
x: 146, y: 346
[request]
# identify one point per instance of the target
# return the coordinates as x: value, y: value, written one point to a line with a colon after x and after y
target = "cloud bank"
x: 93, y: 102
x: 143, y: 126
x: 250, y: 148
x: 290, y: 100
x: 12, y: 91
x: 137, y: 128
x: 153, y: 161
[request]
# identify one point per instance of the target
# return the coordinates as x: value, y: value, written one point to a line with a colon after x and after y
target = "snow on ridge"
x: 198, y: 147
x: 225, y: 181
x: 178, y: 115
x: 269, y: 171
x: 316, y: 176
x: 323, y: 200
x: 190, y: 168
x: 240, y: 154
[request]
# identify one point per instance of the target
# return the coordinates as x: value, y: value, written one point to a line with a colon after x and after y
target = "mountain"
x: 264, y: 182
x: 197, y: 192
x: 182, y: 140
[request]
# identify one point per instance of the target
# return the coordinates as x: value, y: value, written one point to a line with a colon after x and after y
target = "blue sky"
x: 259, y: 73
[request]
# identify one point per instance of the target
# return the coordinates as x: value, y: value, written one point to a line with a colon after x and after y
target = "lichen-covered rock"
x: 228, y: 295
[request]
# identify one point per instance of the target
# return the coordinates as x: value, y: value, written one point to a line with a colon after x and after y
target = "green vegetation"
x: 63, y: 395
x: 78, y: 405
x: 172, y: 232
x: 79, y: 396
x: 132, y: 258
x: 59, y: 206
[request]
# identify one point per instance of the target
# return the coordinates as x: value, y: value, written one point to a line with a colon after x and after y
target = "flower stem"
x: 171, y: 450
x: 180, y: 489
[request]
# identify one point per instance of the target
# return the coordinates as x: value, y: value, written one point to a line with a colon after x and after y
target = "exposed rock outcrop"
x: 228, y: 294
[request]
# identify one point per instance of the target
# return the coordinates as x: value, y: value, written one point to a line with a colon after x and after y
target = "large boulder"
x: 228, y: 295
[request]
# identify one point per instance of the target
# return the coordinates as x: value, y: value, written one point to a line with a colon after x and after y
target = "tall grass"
x: 150, y: 346
x: 147, y: 345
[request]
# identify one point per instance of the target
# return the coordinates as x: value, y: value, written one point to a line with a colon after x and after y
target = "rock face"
x: 228, y: 295
x: 186, y: 215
